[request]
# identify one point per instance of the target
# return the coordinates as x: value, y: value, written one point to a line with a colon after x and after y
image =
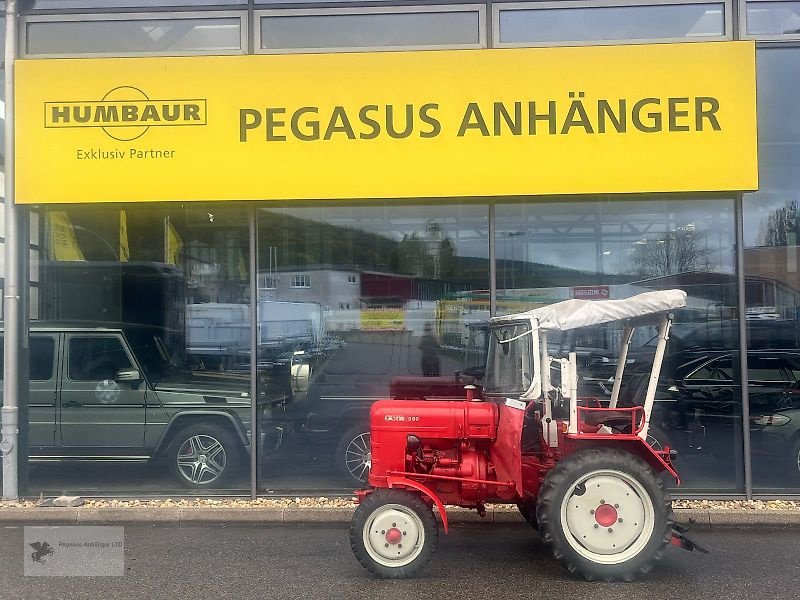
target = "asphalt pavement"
x: 474, y: 561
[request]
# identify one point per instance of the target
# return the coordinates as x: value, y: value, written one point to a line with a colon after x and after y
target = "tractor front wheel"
x: 393, y: 533
x: 605, y: 514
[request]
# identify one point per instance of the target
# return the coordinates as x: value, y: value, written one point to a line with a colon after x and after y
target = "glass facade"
x: 364, y: 302
x: 603, y: 248
x: 771, y: 230
x: 135, y: 370
x: 142, y: 317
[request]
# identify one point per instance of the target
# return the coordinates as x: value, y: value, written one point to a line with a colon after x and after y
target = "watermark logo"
x: 74, y: 551
x: 41, y: 550
x: 125, y: 113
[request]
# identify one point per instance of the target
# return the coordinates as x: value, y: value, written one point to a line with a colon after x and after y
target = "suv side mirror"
x: 131, y: 375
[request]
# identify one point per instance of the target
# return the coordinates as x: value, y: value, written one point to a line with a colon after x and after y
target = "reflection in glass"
x: 773, y: 18
x: 394, y: 304
x: 603, y: 249
x: 137, y: 374
x: 370, y: 30
x: 612, y: 23
x: 509, y: 358
x: 134, y: 35
x: 92, y: 4
x: 772, y: 230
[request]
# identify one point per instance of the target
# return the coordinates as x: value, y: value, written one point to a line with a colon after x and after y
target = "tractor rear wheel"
x: 528, y: 512
x: 605, y: 514
x: 393, y: 533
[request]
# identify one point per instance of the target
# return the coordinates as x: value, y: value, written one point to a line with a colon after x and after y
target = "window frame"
x: 305, y: 278
x: 25, y: 20
x: 497, y: 8
x: 480, y: 9
x: 81, y: 335
x: 764, y: 37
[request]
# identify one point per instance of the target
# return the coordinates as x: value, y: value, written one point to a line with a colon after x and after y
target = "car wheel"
x: 354, y: 454
x: 393, y: 533
x: 605, y: 514
x: 203, y: 456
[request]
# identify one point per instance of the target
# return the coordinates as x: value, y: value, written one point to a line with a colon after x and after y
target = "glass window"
x: 423, y: 28
x: 161, y: 290
x: 773, y: 18
x: 133, y: 35
x: 96, y: 358
x: 766, y: 368
x: 95, y: 4
x: 532, y: 24
x: 509, y: 359
x: 301, y: 281
x: 720, y: 370
x: 771, y: 258
x: 599, y: 248
x: 42, y: 351
x: 398, y: 299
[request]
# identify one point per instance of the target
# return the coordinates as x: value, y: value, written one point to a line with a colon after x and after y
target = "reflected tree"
x: 781, y: 227
x: 679, y: 251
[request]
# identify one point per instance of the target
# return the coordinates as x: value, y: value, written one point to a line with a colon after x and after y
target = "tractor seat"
x: 593, y: 420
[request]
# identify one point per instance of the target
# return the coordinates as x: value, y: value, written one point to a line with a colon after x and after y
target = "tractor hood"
x: 572, y: 314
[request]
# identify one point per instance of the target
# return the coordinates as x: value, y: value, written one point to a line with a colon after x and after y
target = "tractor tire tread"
x: 548, y: 513
x: 411, y: 500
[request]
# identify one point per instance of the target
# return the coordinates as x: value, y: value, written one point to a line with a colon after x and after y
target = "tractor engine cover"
x: 442, y: 426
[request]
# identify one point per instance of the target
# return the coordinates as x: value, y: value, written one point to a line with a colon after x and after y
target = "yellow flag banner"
x: 124, y: 249
x: 63, y: 245
x: 174, y: 244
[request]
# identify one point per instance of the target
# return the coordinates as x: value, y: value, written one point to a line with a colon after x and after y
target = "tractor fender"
x: 630, y: 443
x: 404, y: 482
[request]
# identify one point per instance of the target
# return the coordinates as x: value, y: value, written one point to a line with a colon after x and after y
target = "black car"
x: 698, y: 405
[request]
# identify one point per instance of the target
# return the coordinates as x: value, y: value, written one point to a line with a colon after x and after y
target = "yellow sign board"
x: 510, y: 122
x: 382, y: 319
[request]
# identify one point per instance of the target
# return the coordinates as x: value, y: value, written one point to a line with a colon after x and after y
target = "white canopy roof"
x: 571, y: 314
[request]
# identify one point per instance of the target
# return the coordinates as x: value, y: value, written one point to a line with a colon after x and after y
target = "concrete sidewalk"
x: 273, y: 515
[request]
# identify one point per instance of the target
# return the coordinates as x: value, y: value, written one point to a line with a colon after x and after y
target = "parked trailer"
x: 219, y: 333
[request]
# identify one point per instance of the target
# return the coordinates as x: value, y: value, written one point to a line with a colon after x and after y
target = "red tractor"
x: 586, y: 478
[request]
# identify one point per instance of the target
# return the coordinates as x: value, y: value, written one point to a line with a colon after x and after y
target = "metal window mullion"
x: 255, y: 426
x: 492, y: 262
x: 742, y: 313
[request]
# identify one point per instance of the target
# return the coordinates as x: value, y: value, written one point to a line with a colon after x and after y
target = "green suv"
x: 115, y: 394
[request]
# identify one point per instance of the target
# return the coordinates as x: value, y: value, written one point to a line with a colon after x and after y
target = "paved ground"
x: 312, y: 563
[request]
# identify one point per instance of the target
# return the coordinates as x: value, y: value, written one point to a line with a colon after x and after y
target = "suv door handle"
x: 72, y: 404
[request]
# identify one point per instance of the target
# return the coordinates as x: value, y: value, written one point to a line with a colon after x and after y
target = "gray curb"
x: 188, y: 517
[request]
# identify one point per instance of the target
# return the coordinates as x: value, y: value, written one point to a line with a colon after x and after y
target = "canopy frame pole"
x: 627, y: 336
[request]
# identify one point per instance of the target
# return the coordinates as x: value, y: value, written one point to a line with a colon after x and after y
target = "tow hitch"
x: 681, y: 540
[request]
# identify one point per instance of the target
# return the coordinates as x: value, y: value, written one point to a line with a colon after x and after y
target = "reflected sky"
x: 778, y: 135
x: 606, y: 236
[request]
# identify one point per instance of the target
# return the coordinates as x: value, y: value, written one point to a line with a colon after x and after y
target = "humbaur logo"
x: 125, y: 113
